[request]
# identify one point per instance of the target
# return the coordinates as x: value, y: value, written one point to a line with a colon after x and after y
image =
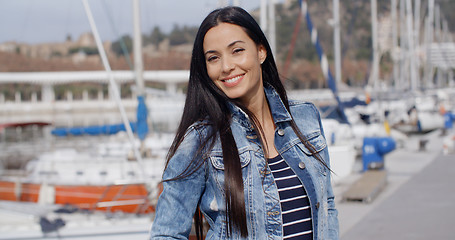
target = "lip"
x: 238, y: 79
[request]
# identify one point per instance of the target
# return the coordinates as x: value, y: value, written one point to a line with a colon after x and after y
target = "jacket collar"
x: 277, y: 107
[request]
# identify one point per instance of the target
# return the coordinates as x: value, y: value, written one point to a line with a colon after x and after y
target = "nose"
x: 228, y: 65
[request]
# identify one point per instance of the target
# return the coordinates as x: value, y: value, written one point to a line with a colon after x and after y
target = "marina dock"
x: 416, y: 203
x: 393, y: 78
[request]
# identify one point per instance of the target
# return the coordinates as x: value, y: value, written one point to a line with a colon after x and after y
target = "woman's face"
x: 233, y: 62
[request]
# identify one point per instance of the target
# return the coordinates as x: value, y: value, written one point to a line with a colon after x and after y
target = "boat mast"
x: 437, y: 35
x: 137, y: 49
x: 263, y: 17
x: 411, y: 50
x: 403, y: 46
x: 142, y: 111
x: 272, y: 24
x: 373, y: 81
x: 429, y: 41
x: 394, y: 43
x: 417, y: 42
x: 336, y: 40
x: 322, y: 58
x: 113, y: 85
x: 267, y: 22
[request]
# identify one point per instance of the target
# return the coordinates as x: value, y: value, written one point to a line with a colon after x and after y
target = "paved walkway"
x: 422, y: 208
x: 417, y: 203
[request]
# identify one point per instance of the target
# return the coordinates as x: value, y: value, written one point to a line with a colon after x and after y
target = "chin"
x: 234, y: 95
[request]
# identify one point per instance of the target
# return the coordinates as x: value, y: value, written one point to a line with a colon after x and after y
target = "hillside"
x: 355, y: 27
x: 172, y: 50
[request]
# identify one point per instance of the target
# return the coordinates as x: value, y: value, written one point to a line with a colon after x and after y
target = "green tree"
x: 181, y: 35
x: 126, y: 41
x: 155, y: 37
x: 177, y: 36
x: 86, y: 50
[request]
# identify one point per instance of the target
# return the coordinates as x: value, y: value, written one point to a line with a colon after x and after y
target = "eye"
x: 212, y: 58
x: 238, y: 50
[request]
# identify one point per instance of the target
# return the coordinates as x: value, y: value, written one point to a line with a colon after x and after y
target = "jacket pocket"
x: 316, y: 140
x: 216, y: 158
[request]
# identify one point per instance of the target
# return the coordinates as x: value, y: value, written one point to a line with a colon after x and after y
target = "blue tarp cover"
x: 92, y: 130
x: 140, y: 127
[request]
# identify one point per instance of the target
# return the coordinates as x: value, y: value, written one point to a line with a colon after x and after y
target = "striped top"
x: 295, y: 205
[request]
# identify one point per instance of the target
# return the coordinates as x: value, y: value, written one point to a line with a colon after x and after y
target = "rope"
x: 126, y: 54
x: 291, y: 48
x: 322, y: 58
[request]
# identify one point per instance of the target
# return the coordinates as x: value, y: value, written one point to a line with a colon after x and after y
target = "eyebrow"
x: 230, y: 45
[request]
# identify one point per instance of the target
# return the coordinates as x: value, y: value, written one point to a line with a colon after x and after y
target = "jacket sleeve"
x: 178, y: 201
x: 332, y: 212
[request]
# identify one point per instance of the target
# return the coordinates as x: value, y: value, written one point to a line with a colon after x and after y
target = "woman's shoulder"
x: 307, y: 117
x: 304, y: 108
x: 199, y: 129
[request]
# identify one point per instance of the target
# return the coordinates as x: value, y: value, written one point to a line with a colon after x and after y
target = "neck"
x: 256, y: 103
x: 260, y: 108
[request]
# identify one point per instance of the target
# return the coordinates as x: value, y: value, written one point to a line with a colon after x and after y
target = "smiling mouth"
x: 232, y: 80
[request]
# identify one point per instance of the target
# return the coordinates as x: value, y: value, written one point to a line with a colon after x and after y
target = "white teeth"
x: 232, y: 79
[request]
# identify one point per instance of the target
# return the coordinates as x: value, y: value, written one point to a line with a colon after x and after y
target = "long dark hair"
x: 205, y: 101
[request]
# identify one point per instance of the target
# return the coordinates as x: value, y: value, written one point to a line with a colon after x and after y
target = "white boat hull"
x: 342, y: 159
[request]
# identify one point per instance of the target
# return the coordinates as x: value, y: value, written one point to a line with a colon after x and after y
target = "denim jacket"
x: 205, y: 187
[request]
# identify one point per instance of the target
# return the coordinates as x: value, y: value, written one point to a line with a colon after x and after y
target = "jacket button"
x: 301, y: 165
x: 281, y: 132
x: 317, y: 205
x: 251, y: 136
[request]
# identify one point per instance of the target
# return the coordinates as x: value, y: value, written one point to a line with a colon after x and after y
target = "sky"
x: 44, y: 21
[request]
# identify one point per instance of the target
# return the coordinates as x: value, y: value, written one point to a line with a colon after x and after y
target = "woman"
x: 254, y: 165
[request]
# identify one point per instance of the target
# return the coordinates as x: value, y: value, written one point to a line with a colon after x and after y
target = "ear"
x: 262, y: 53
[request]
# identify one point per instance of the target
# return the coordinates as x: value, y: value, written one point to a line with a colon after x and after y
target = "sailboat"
x: 338, y: 132
x: 110, y: 177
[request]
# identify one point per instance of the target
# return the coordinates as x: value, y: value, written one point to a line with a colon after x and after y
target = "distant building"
x: 8, y: 47
x: 56, y: 50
